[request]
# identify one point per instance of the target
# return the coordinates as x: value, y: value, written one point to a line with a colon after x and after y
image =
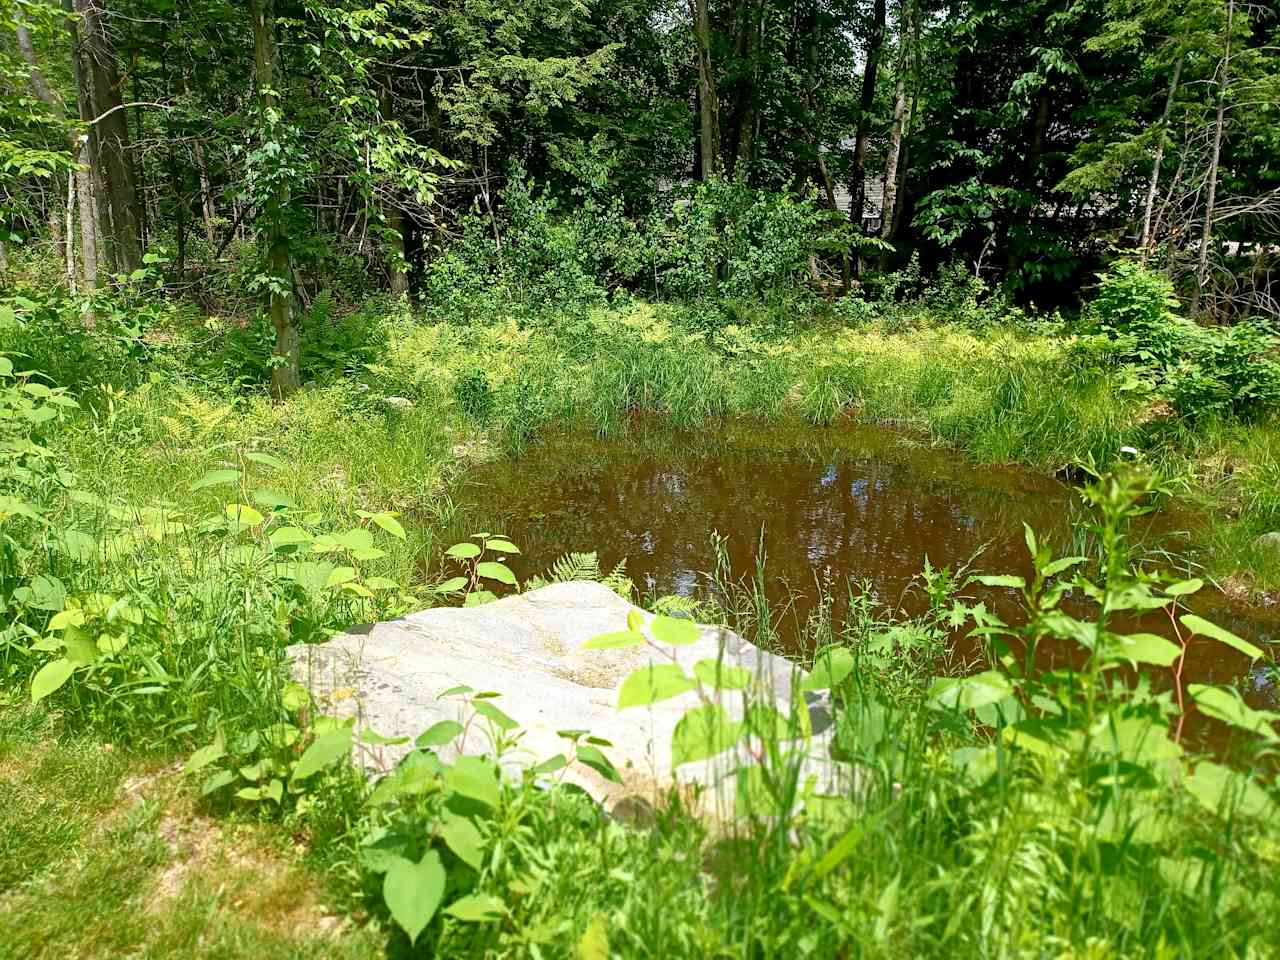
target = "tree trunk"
x: 1206, y: 234
x: 285, y: 374
x: 748, y: 94
x: 207, y: 210
x: 888, y: 200
x: 40, y: 87
x: 1153, y: 184
x: 99, y: 96
x: 95, y: 213
x: 109, y: 144
x: 70, y: 248
x: 708, y: 104
x: 88, y: 223
x: 875, y: 42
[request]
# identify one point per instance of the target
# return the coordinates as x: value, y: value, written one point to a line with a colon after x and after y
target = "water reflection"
x: 855, y: 503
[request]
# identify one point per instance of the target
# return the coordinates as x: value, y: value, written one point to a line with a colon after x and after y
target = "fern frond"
x: 574, y: 566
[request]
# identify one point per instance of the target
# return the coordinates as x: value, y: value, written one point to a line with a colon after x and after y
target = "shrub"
x: 1202, y: 371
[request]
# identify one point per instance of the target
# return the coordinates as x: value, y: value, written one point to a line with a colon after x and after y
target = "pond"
x: 824, y: 505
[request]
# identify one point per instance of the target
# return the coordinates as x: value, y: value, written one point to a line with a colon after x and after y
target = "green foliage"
x: 478, y: 577
x: 1204, y: 371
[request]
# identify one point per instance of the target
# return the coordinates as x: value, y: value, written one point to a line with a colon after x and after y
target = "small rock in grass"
x: 1270, y: 541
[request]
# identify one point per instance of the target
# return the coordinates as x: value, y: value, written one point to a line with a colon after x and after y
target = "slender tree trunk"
x: 88, y: 221
x: 95, y: 212
x: 394, y: 216
x: 70, y: 247
x: 888, y: 201
x: 285, y: 373
x: 208, y: 211
x: 1153, y: 185
x: 749, y: 93
x: 4, y: 258
x: 708, y: 104
x: 110, y: 144
x: 1206, y: 234
x: 40, y: 87
x: 875, y: 43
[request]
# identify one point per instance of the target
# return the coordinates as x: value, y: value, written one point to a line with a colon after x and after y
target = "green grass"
x: 103, y: 854
x: 486, y: 390
x: 106, y: 851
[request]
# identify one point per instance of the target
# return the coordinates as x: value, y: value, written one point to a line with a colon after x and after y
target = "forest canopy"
x: 263, y: 149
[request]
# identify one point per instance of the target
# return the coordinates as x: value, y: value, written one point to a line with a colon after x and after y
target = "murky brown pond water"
x: 847, y: 502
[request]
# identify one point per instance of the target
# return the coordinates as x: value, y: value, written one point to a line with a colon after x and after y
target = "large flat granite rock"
x: 528, y: 648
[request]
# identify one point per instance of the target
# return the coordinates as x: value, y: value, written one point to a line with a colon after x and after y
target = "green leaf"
x: 450, y: 585
x: 594, y: 758
x: 287, y: 536
x: 1001, y: 580
x: 1225, y: 704
x: 613, y: 641
x: 339, y: 576
x: 501, y: 545
x: 1144, y: 648
x: 477, y: 908
x: 50, y: 677
x: 216, y: 478
x: 1183, y: 587
x: 370, y: 736
x: 653, y: 683
x: 476, y: 778
x: 389, y: 523
x: 47, y: 593
x: 673, y: 632
x: 970, y: 693
x: 703, y: 732
x: 552, y: 765
x: 490, y: 712
x: 324, y: 751
x: 217, y: 782
x: 1064, y: 563
x: 357, y: 538
x: 1224, y: 792
x: 413, y: 891
x: 271, y: 499
x: 462, y: 836
x: 1212, y: 630
x: 82, y: 649
x: 243, y: 514
x: 464, y: 551
x: 887, y: 904
x: 206, y: 755
x: 294, y: 697
x: 830, y: 668
x: 722, y: 676
x: 266, y: 460
x: 438, y: 734
x: 492, y: 570
x: 594, y: 943
x: 273, y: 790
x: 77, y: 545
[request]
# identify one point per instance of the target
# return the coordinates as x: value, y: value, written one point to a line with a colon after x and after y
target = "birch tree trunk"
x: 1153, y: 185
x: 888, y: 201
x: 1206, y: 233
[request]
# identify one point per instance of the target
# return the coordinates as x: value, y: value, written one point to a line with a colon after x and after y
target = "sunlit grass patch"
x: 106, y: 854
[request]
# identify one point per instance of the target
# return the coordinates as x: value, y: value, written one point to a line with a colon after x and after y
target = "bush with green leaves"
x: 1203, y: 371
